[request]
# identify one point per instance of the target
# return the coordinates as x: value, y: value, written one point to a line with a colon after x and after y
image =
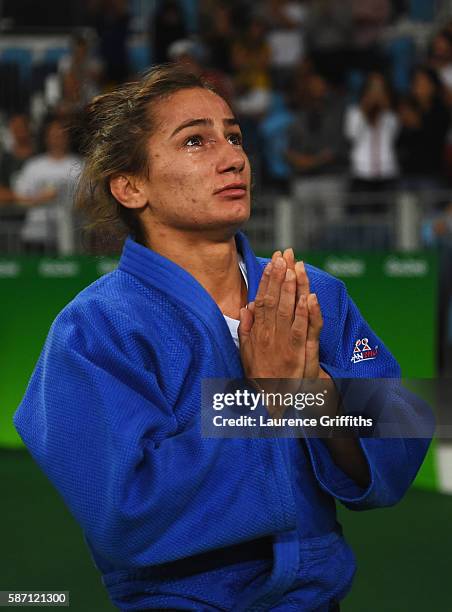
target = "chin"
x: 236, y: 212
x: 238, y: 220
x: 240, y: 211
x: 224, y: 229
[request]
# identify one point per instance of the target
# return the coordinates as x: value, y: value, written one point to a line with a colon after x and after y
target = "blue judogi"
x: 175, y: 520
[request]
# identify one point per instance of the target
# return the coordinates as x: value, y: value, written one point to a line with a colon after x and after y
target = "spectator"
x: 285, y: 38
x: 217, y: 34
x: 44, y: 184
x: 296, y: 92
x: 252, y: 84
x: 369, y: 18
x: 440, y: 59
x: 11, y: 162
x: 317, y: 151
x: 400, y: 10
x: 447, y: 28
x: 424, y: 125
x: 329, y: 29
x: 191, y: 55
x: 165, y: 27
x: 371, y: 128
x: 251, y: 61
x: 80, y: 75
x: 274, y: 132
x: 111, y: 21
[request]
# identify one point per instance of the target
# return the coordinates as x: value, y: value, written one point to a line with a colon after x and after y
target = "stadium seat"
x: 54, y: 54
x: 420, y: 10
x: 20, y: 56
x: 139, y: 58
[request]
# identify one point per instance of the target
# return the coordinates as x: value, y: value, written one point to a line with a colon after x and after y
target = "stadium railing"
x: 355, y: 221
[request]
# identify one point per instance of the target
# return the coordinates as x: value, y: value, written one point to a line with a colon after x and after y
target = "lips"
x: 232, y: 190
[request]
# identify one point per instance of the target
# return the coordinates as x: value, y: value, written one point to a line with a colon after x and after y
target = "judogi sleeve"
x: 144, y: 490
x: 393, y: 462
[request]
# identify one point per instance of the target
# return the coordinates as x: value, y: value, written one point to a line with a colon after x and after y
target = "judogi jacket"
x: 173, y: 519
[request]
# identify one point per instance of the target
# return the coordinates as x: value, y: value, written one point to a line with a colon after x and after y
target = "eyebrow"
x: 208, y: 122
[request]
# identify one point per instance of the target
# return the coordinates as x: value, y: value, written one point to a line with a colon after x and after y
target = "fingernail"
x: 279, y: 263
x: 314, y: 298
x: 290, y: 275
x: 299, y: 266
x: 268, y: 268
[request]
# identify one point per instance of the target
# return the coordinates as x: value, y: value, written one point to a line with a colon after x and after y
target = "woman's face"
x: 56, y: 138
x: 441, y: 48
x: 199, y: 176
x: 422, y: 86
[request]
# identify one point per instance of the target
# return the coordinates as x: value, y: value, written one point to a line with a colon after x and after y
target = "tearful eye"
x: 193, y: 141
x: 235, y: 139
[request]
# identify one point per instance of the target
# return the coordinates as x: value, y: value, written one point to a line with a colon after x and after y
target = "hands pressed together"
x: 279, y: 332
x: 279, y: 339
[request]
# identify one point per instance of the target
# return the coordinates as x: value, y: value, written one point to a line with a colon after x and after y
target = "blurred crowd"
x: 335, y: 99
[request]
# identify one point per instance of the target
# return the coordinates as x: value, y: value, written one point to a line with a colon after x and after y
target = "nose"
x: 231, y: 158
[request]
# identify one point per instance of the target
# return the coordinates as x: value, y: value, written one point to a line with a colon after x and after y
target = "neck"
x: 211, y: 260
x: 23, y: 150
x: 57, y: 154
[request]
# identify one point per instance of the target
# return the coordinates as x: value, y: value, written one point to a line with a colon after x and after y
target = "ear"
x: 128, y: 190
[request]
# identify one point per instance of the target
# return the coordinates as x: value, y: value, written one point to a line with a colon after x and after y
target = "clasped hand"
x: 279, y: 339
x: 279, y: 332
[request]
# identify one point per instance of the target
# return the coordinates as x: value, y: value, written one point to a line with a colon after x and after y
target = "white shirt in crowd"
x: 286, y: 44
x: 44, y: 173
x: 373, y: 151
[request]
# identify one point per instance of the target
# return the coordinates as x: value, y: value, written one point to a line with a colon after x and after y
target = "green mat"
x: 404, y: 553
